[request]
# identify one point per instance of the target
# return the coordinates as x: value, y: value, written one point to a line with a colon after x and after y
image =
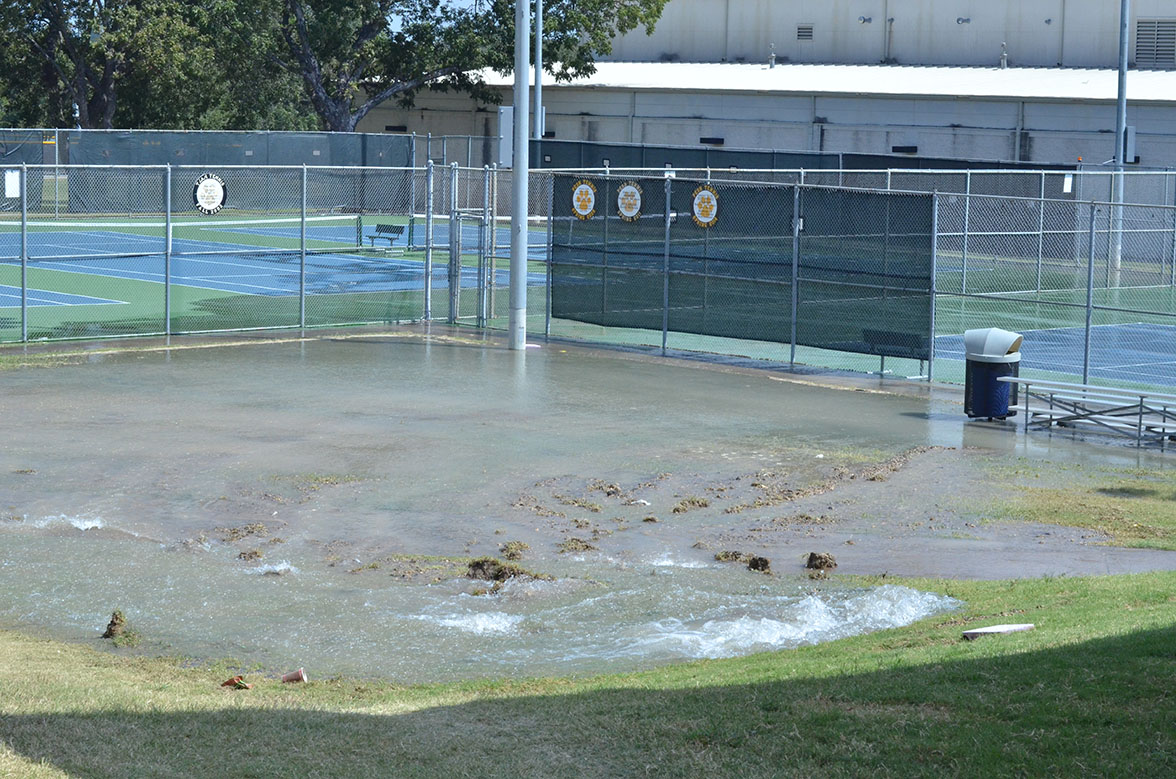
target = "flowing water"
x: 252, y: 502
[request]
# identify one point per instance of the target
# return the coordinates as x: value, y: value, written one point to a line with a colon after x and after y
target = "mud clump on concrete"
x: 575, y: 545
x: 491, y: 569
x: 820, y: 561
x: 692, y: 502
x: 117, y: 625
x: 233, y: 534
x: 760, y: 564
x: 513, y: 550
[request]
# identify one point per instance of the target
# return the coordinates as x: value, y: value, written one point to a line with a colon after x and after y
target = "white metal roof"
x: 1070, y: 84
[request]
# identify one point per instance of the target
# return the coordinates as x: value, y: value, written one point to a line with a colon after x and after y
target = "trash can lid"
x: 991, y: 344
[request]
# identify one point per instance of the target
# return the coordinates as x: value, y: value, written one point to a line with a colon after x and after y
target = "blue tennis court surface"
x: 249, y: 257
x: 1136, y: 352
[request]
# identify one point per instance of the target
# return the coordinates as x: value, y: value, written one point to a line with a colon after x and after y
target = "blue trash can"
x: 990, y: 353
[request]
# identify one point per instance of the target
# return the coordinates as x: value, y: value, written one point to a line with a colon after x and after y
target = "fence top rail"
x: 881, y: 171
x: 164, y: 166
x: 1090, y: 389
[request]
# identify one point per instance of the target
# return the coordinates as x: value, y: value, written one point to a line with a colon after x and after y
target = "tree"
x: 86, y: 50
x: 354, y: 55
x: 204, y: 64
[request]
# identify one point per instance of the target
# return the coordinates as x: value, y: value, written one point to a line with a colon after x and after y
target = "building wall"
x: 1048, y: 132
x: 1049, y: 33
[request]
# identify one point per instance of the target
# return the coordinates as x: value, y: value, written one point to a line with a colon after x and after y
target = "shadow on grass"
x: 1103, y: 707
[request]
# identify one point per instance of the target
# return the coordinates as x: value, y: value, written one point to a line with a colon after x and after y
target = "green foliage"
x: 272, y: 64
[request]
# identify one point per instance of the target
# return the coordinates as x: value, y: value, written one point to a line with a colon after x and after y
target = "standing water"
x: 311, y: 504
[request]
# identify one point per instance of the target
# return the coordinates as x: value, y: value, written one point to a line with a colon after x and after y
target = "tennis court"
x: 250, y: 256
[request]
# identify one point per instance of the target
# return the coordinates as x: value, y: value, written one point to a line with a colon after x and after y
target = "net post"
x: 931, y: 284
x: 454, y: 246
x: 666, y: 271
x: 1089, y: 295
x: 302, y: 253
x: 550, y: 240
x: 795, y: 272
x: 24, y: 252
x: 428, y: 281
x: 167, y: 249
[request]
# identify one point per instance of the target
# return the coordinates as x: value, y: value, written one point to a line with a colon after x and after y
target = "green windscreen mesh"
x: 866, y: 264
x: 862, y: 278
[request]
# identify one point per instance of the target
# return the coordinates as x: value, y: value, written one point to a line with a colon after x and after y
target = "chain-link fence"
x: 826, y: 268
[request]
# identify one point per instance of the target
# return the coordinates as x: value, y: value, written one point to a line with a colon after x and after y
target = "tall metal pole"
x: 1120, y: 143
x: 934, y: 269
x: 795, y: 272
x: 24, y: 252
x: 167, y: 249
x: 537, y: 123
x: 518, y: 217
x: 666, y: 268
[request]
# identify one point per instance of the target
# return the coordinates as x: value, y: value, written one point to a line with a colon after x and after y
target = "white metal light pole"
x: 519, y: 175
x: 537, y: 124
x: 1120, y: 144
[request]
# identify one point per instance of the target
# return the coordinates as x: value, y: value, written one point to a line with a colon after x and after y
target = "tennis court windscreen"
x: 723, y: 265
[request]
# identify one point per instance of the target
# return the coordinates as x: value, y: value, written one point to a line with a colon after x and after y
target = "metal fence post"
x: 454, y: 246
x: 485, y: 279
x: 666, y: 270
x: 1040, y: 229
x: 934, y: 264
x: 428, y: 281
x: 167, y: 249
x: 1172, y: 270
x: 967, y: 215
x: 1089, y: 297
x: 302, y: 253
x: 493, y: 207
x: 550, y: 241
x: 56, y: 174
x: 795, y: 271
x: 24, y: 252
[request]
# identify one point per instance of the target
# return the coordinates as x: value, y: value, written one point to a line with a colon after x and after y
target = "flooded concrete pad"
x: 307, y: 502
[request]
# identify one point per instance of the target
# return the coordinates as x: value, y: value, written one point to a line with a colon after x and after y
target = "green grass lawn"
x: 1089, y: 692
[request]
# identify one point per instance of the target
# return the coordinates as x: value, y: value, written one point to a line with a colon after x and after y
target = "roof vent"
x: 1155, y: 43
x: 804, y: 32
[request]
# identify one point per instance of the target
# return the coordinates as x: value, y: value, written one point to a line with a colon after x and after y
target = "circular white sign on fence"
x: 706, y: 206
x: 584, y: 199
x: 629, y: 202
x: 209, y: 193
